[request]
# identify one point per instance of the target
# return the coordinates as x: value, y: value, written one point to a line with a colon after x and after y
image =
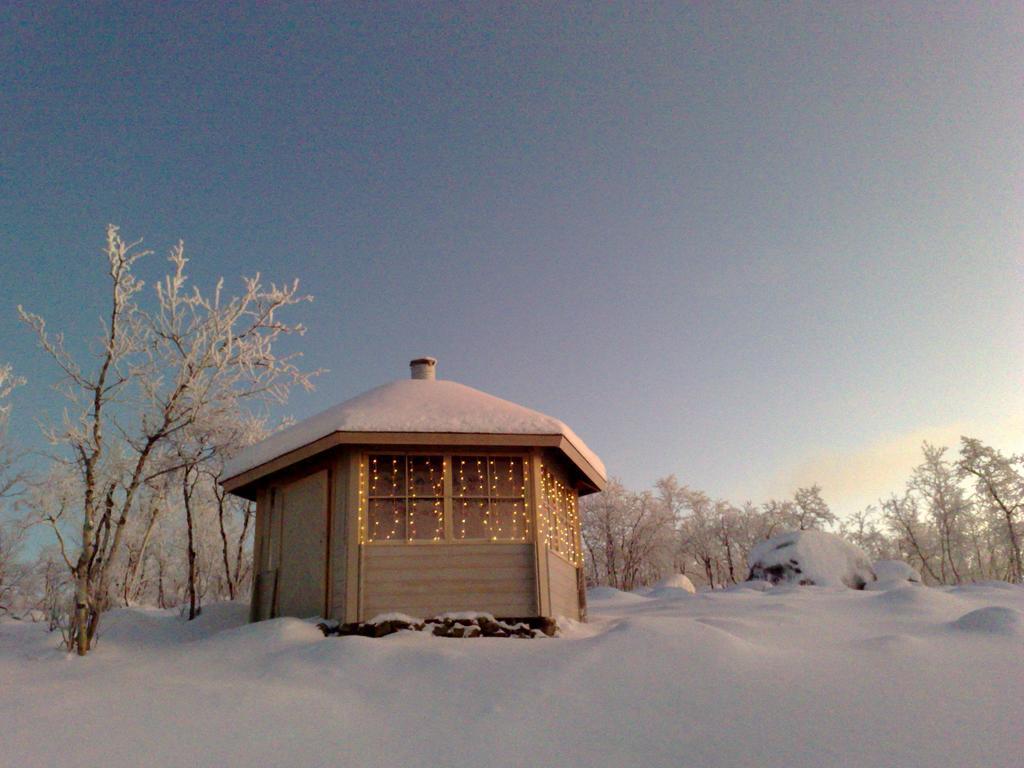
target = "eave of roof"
x: 243, y: 484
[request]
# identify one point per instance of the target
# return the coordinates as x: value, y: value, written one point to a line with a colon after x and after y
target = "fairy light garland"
x: 559, y: 507
x: 402, y: 498
x: 361, y: 506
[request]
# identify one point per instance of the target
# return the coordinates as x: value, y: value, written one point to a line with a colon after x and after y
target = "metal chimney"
x: 423, y: 368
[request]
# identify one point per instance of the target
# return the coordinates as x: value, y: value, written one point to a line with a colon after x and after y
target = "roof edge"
x: 238, y: 483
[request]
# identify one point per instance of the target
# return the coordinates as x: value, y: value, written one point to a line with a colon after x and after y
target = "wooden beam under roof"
x: 241, y: 484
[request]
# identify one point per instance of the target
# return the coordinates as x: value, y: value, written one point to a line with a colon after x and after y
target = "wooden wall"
x: 302, y: 570
x: 562, y: 577
x: 425, y: 579
x: 290, y: 547
x: 564, y: 592
x: 421, y: 579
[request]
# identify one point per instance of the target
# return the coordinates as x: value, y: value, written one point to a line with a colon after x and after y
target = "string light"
x: 397, y: 500
x: 561, y: 517
x: 361, y: 506
x: 490, y: 501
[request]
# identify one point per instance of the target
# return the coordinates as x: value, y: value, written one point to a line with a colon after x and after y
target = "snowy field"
x: 807, y: 676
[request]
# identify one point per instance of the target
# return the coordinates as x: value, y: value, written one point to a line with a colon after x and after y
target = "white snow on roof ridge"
x: 411, y: 405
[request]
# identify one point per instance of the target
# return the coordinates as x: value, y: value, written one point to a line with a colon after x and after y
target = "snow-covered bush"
x: 676, y: 581
x: 810, y: 558
x: 892, y: 574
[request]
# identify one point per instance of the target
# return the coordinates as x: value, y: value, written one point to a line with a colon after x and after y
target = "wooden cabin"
x: 420, y: 497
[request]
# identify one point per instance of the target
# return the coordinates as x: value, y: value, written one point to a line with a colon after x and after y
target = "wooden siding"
x: 423, y: 580
x: 564, y: 588
x: 302, y: 570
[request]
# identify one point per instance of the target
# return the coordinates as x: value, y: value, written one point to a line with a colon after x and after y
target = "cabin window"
x: 414, y: 497
x: 489, y: 498
x: 405, y: 495
x: 559, y: 510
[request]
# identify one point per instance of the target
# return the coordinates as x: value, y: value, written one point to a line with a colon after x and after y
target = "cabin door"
x: 302, y: 572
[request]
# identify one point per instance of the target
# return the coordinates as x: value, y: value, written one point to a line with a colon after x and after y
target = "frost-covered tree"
x: 12, y: 532
x: 154, y: 372
x: 10, y: 479
x: 699, y: 529
x: 12, y: 571
x: 865, y: 529
x: 628, y: 537
x: 810, y: 509
x: 935, y: 482
x: 999, y: 487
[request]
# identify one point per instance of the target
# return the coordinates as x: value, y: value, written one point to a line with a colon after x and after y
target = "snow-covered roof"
x: 413, y: 405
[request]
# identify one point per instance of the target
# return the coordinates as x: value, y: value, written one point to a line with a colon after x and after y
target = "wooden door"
x: 302, y: 569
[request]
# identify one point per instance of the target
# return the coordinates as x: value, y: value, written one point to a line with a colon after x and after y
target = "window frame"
x: 447, y: 453
x: 364, y: 534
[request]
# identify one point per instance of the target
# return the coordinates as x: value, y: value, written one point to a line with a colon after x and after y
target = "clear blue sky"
x: 752, y: 245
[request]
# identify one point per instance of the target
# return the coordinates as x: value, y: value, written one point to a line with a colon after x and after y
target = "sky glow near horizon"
x: 752, y: 246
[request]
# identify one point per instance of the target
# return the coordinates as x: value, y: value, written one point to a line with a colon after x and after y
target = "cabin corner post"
x: 540, y: 534
x: 353, y: 535
x: 257, y: 554
x: 581, y: 570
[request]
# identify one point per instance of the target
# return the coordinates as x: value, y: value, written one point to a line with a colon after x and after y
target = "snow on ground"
x: 790, y: 676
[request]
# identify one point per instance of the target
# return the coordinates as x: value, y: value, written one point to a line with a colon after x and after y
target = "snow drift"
x: 810, y: 558
x: 915, y: 677
x: 892, y: 574
x: 673, y: 586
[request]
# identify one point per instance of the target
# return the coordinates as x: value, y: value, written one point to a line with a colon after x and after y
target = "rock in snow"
x: 810, y: 558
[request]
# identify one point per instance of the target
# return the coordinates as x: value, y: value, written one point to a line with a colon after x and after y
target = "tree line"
x: 177, y: 379
x: 957, y: 519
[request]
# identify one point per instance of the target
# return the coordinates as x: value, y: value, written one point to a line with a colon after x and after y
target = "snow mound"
x: 750, y: 586
x: 896, y: 569
x: 150, y: 627
x: 993, y: 620
x: 413, y: 405
x: 810, y: 558
x: 910, y: 600
x: 675, y: 581
x: 893, y: 574
x: 986, y: 586
x: 612, y: 595
x: 676, y: 586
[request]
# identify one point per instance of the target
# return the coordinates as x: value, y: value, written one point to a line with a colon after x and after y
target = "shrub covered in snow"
x: 810, y: 557
x: 892, y: 574
x: 677, y: 582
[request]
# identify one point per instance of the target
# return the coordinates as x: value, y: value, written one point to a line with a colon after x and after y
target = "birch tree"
x: 999, y: 485
x: 935, y: 482
x: 153, y: 374
x: 628, y: 536
x: 10, y: 479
